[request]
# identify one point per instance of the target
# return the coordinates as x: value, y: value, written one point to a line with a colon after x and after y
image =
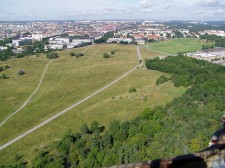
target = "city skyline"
x: 14, y: 10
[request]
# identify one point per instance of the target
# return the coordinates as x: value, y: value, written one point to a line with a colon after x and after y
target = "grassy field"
x: 69, y: 80
x: 16, y: 89
x: 149, y: 53
x: 179, y: 45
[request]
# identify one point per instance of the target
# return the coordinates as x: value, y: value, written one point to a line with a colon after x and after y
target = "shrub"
x: 78, y: 55
x: 3, y: 76
x: 162, y: 79
x: 132, y: 90
x: 6, y: 67
x: 106, y: 55
x: 52, y: 55
x: 72, y: 54
x: 21, y: 72
x: 112, y: 52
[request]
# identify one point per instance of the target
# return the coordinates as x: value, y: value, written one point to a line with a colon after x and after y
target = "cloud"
x: 219, y: 12
x: 147, y: 10
x: 210, y: 3
x: 212, y: 13
x: 6, y: 12
x: 128, y: 10
x: 168, y: 7
x: 145, y: 4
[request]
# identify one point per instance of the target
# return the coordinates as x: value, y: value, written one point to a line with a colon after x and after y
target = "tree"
x: 94, y: 127
x: 132, y: 90
x: 21, y: 72
x: 84, y: 129
x: 72, y: 54
x: 106, y: 55
x: 162, y: 79
x: 52, y: 55
x: 3, y: 76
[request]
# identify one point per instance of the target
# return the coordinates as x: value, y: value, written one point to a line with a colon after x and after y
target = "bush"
x: 162, y: 79
x: 112, y: 52
x: 6, y: 67
x: 52, y: 55
x: 106, y: 55
x: 72, y: 54
x: 132, y: 90
x: 21, y: 72
x: 78, y: 55
x: 3, y: 76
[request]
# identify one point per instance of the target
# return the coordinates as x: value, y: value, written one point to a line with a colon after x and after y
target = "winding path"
x: 27, y: 101
x: 72, y: 106
x: 35, y: 91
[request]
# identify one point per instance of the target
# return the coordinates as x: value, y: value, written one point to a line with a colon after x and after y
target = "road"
x: 72, y: 106
x: 27, y: 101
x: 139, y: 57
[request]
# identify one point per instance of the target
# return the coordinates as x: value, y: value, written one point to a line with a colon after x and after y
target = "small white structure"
x: 18, y: 50
x: 22, y: 41
x: 37, y: 37
x: 79, y: 42
x: 118, y: 40
x: 2, y: 48
x: 54, y: 47
x: 62, y: 40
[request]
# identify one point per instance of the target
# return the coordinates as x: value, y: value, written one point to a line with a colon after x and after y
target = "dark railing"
x: 212, y: 157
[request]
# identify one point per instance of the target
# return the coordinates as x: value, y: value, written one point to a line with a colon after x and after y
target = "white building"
x: 37, y: 37
x: 2, y: 48
x: 118, y: 40
x: 78, y: 42
x: 22, y: 41
x: 54, y: 47
x: 62, y: 40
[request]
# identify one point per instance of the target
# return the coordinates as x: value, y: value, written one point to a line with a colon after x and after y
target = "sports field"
x: 179, y: 45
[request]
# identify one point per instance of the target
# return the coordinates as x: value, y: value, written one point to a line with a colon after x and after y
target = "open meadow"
x: 68, y: 80
x: 179, y: 45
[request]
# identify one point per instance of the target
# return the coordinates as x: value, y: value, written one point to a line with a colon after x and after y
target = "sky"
x: 23, y: 10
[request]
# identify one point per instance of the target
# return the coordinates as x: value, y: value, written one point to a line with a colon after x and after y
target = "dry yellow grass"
x: 69, y: 80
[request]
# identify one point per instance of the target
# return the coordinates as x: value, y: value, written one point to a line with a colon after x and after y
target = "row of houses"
x: 213, y: 32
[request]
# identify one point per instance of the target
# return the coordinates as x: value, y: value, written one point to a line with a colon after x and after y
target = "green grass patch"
x: 114, y: 103
x: 67, y: 81
x: 179, y: 45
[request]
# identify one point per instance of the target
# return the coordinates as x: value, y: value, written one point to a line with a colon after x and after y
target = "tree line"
x: 219, y: 41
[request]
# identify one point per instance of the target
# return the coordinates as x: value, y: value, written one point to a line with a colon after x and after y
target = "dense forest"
x: 186, y: 122
x: 219, y: 41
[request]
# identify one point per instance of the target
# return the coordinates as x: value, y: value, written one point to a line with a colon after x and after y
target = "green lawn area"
x: 179, y: 45
x: 16, y: 89
x: 67, y: 81
x: 149, y: 54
